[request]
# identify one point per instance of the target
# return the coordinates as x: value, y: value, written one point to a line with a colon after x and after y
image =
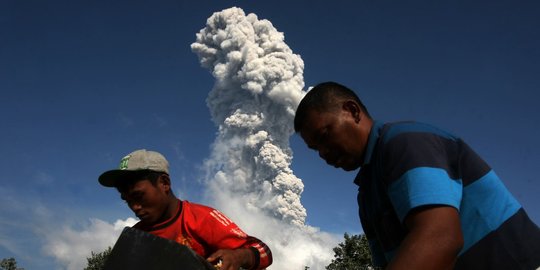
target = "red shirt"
x: 205, y: 230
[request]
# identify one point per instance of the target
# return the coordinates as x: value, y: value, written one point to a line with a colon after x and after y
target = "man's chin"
x: 340, y: 164
x: 146, y: 221
x: 349, y: 168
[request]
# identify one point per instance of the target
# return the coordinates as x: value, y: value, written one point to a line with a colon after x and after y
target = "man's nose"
x: 135, y: 207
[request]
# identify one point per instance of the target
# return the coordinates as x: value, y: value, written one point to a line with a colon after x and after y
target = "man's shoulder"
x: 196, y: 210
x: 196, y: 206
x: 203, y: 213
x: 413, y: 129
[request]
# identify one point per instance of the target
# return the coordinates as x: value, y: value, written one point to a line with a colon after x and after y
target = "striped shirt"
x: 410, y: 164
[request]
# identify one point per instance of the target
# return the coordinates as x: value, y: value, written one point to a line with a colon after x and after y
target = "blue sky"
x: 85, y: 82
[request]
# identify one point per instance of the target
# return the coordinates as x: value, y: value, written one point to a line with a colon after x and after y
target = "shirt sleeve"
x: 222, y: 233
x: 420, y: 169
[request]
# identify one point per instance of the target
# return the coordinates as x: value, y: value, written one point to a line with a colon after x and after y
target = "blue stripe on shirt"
x: 488, y: 203
x: 424, y: 186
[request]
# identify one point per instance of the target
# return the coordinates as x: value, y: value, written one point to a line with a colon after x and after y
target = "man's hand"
x: 233, y: 259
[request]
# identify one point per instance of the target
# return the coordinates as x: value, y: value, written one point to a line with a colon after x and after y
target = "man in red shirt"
x: 143, y: 182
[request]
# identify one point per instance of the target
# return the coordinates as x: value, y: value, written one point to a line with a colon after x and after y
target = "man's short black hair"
x: 323, y: 98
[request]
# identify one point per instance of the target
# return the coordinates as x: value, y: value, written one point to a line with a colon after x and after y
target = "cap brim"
x: 111, y: 178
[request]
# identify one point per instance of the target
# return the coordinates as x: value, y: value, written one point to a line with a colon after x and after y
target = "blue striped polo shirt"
x: 409, y: 165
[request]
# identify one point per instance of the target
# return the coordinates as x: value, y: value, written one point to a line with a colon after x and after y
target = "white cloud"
x: 29, y: 227
x: 293, y: 247
x: 71, y: 246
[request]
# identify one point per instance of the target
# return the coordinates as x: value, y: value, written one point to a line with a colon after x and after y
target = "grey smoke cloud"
x: 258, y: 84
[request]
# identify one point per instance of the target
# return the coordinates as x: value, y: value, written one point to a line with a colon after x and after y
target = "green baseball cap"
x: 135, y: 161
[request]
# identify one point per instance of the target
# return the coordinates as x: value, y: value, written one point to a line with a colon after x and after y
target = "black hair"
x: 323, y: 98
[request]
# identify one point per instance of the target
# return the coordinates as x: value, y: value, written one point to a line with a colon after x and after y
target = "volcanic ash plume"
x: 258, y: 85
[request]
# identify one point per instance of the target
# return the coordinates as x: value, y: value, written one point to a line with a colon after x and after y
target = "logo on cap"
x: 124, y: 163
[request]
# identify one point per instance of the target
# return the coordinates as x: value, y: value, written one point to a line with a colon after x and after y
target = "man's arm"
x: 433, y: 241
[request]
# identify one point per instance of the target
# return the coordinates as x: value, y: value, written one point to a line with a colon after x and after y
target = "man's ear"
x: 354, y: 109
x: 164, y: 182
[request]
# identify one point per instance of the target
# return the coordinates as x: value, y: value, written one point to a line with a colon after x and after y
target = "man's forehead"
x: 141, y: 184
x: 316, y: 118
x: 135, y: 186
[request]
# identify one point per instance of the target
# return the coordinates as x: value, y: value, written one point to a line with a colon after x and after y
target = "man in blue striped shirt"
x: 426, y: 199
